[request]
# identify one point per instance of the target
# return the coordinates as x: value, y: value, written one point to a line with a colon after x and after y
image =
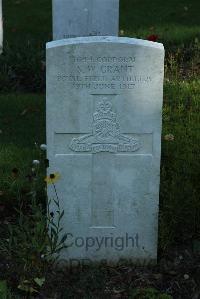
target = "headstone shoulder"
x: 105, y: 39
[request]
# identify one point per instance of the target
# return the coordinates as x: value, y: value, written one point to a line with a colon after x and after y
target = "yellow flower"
x: 52, y: 178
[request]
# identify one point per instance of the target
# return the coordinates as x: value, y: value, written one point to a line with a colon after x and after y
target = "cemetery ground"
x: 24, y: 270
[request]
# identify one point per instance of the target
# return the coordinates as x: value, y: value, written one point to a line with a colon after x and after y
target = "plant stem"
x: 56, y: 193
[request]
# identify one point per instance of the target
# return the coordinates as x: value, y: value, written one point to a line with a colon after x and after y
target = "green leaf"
x: 27, y: 288
x: 61, y: 215
x: 64, y: 238
x: 3, y: 289
x: 53, y: 224
x: 53, y: 231
x: 196, y: 246
x: 39, y: 281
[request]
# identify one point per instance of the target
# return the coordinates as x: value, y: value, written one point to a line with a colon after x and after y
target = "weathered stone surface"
x: 76, y: 18
x: 1, y: 28
x: 104, y: 103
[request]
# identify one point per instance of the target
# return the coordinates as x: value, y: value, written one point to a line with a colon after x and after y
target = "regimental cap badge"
x: 105, y: 135
x: 104, y: 111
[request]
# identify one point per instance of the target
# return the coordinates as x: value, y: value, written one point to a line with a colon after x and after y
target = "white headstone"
x: 104, y: 104
x: 75, y: 18
x: 1, y: 28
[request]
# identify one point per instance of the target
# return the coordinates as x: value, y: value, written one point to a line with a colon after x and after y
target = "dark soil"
x: 177, y: 274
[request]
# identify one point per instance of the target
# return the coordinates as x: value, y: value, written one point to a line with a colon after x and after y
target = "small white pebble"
x: 43, y: 147
x: 36, y: 162
x: 186, y: 276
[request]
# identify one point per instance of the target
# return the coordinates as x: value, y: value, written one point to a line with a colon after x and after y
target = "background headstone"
x: 104, y: 105
x: 1, y: 28
x: 74, y: 18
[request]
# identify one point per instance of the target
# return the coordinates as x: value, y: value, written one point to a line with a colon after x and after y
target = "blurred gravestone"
x: 1, y: 28
x: 74, y: 18
x: 104, y: 106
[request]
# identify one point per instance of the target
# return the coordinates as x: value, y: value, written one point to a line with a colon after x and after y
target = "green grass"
x: 179, y: 204
x: 175, y: 21
x: 27, y: 20
x: 22, y: 124
x: 22, y: 116
x: 22, y: 120
x: 27, y: 26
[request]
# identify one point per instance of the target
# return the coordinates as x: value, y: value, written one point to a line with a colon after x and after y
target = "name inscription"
x: 106, y: 72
